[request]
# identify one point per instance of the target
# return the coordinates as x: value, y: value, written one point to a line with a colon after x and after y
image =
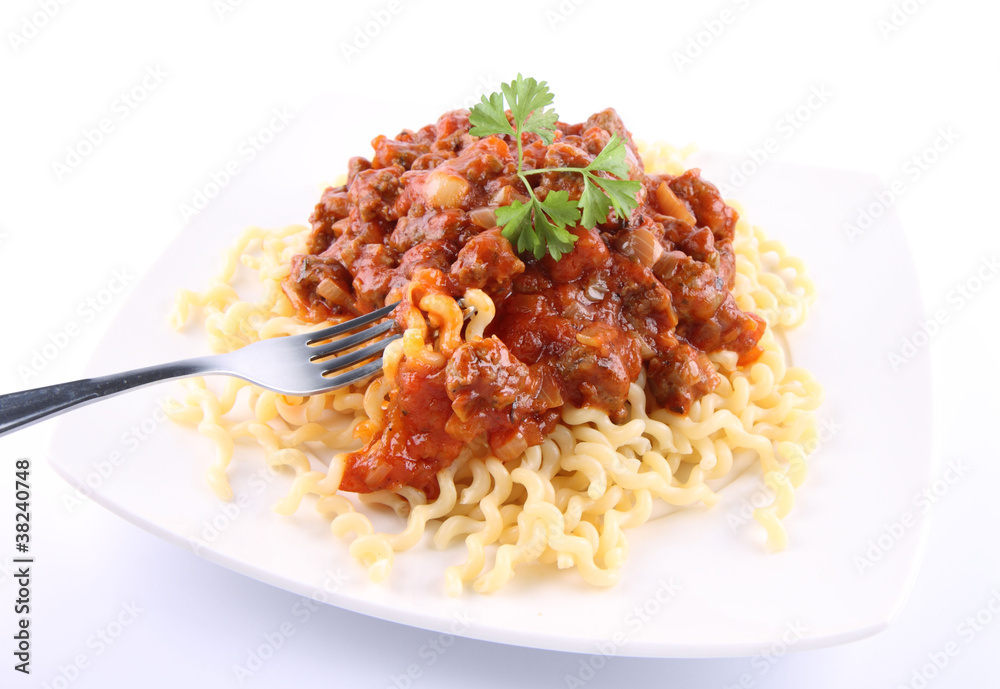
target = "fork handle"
x: 19, y: 409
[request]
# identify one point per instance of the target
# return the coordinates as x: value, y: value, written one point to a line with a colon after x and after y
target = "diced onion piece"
x: 378, y: 474
x: 340, y: 226
x: 512, y: 448
x: 445, y: 189
x: 575, y: 311
x: 484, y: 217
x: 506, y: 196
x: 634, y: 166
x: 645, y: 351
x: 645, y: 247
x: 671, y: 205
x: 461, y: 411
x: 589, y: 340
x: 596, y: 292
x: 549, y: 393
x: 333, y: 293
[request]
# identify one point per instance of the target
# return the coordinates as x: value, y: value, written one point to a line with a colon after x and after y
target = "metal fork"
x: 295, y: 365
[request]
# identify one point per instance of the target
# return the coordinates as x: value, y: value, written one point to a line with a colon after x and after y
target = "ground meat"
x: 481, y: 161
x: 609, y: 121
x: 495, y: 394
x: 436, y: 253
x: 355, y: 237
x: 708, y: 315
x: 307, y: 272
x: 679, y: 376
x: 411, y: 230
x: 389, y: 152
x: 486, y: 262
x: 334, y: 206
x: 374, y: 193
x: 706, y: 203
x: 354, y: 166
x: 597, y: 369
x: 564, y: 154
x: 697, y: 290
x: 372, y: 276
x: 648, y: 290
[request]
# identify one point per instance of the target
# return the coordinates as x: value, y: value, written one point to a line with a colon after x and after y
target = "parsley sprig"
x: 541, y: 224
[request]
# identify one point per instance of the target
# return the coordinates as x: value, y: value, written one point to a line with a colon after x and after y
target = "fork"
x: 296, y: 365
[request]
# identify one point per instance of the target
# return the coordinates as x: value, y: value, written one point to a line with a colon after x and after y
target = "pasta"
x: 567, y: 502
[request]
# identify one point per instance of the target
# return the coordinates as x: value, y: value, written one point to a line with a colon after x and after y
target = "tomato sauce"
x: 648, y: 291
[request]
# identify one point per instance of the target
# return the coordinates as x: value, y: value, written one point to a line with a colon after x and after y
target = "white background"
x: 898, y: 75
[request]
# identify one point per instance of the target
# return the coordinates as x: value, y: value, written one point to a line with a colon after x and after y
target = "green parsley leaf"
x: 595, y: 204
x: 558, y: 206
x: 489, y: 117
x: 542, y: 224
x: 558, y: 240
x: 621, y: 193
x: 542, y: 123
x: 611, y: 159
x: 527, y: 99
x: 515, y: 220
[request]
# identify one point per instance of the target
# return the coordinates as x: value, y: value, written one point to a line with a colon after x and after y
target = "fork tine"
x: 352, y: 324
x: 324, y: 350
x: 355, y: 375
x: 339, y: 363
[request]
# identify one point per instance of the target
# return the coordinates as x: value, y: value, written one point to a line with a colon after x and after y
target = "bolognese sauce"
x: 648, y: 291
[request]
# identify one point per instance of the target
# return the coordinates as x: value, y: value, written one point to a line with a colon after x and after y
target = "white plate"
x: 696, y: 583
